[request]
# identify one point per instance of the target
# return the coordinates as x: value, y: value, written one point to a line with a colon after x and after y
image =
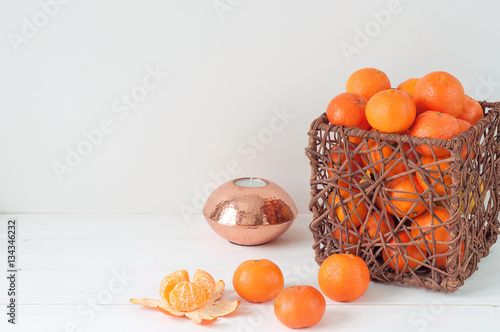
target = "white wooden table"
x: 78, y: 272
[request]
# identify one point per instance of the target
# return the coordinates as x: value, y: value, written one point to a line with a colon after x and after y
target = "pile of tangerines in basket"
x: 434, y: 106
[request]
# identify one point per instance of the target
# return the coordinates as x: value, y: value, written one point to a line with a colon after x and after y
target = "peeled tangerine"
x: 193, y: 299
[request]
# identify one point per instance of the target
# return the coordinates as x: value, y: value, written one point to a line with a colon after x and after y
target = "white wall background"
x: 232, y: 64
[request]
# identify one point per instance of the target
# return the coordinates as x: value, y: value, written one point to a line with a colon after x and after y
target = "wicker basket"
x: 351, y: 168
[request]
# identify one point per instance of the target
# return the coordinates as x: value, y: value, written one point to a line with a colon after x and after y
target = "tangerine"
x: 463, y: 126
x: 355, y: 140
x: 258, y: 280
x: 403, y: 257
x: 377, y: 157
x: 439, y: 91
x: 430, y: 229
x: 299, y: 306
x: 343, y: 277
x: 408, y: 86
x: 441, y: 260
x: 184, y: 295
x: 180, y: 297
x: 435, y: 175
x: 403, y: 194
x: 367, y: 82
x: 472, y: 112
x: 377, y: 226
x: 434, y: 125
x: 391, y: 111
x: 349, y: 241
x: 352, y: 168
x: 168, y: 283
x: 352, y: 210
x: 348, y: 109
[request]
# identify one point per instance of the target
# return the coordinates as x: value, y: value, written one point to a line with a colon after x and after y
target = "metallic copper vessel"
x: 250, y: 211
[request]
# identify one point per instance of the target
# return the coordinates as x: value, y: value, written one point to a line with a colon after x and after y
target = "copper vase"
x: 250, y: 211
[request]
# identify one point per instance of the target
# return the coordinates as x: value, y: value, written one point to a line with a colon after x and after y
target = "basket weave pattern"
x: 466, y: 183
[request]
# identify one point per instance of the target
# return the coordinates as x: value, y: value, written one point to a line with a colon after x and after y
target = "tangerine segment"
x: 188, y: 296
x: 210, y: 311
x: 205, y: 280
x: 168, y: 283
